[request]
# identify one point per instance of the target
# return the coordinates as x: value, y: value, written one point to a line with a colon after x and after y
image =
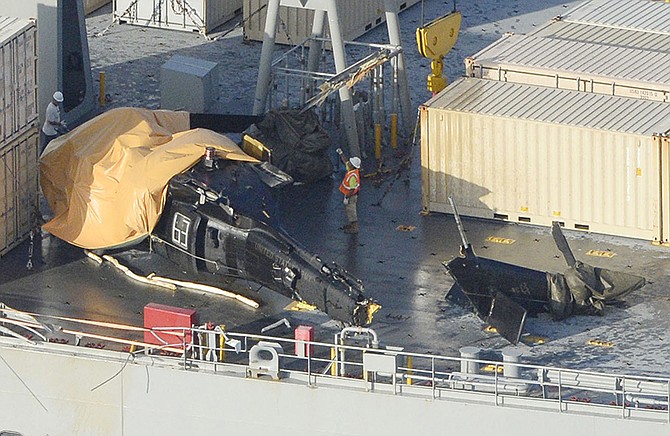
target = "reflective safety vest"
x: 351, y: 183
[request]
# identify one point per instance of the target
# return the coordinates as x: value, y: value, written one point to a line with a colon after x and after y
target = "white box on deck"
x: 189, y: 84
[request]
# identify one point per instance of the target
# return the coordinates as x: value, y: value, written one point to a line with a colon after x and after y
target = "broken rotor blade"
x: 459, y: 224
x: 562, y: 244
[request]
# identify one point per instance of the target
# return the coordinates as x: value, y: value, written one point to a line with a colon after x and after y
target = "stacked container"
x: 582, y: 66
x: 357, y: 17
x: 569, y: 123
x: 195, y: 15
x: 19, y: 130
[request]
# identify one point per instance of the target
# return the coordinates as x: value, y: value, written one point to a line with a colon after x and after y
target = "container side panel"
x: 531, y: 172
x: 195, y: 16
x: 18, y: 78
x: 357, y: 17
x: 18, y: 188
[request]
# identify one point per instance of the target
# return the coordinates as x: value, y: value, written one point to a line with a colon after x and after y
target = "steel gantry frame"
x: 329, y: 8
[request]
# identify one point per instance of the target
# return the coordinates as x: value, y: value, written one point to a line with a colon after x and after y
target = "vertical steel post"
x: 377, y: 103
x: 410, y: 361
x: 393, y: 26
x: 102, y: 89
x: 315, y: 47
x: 265, y: 66
x: 346, y: 103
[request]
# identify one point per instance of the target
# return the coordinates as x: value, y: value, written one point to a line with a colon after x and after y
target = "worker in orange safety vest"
x: 349, y: 187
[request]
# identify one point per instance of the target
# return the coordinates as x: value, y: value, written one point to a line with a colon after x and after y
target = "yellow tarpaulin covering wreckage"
x: 106, y: 181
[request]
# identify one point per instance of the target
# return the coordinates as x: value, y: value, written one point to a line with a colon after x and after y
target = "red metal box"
x: 160, y: 315
x: 304, y: 333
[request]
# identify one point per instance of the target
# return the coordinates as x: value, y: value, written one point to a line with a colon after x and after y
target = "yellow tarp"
x: 106, y: 181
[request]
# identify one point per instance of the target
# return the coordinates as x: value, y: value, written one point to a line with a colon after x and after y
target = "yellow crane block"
x: 434, y: 41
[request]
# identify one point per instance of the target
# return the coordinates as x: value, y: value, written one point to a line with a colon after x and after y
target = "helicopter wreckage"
x: 131, y: 174
x: 503, y: 294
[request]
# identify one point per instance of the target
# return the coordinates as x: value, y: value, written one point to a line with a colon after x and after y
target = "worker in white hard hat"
x: 52, y: 121
x: 349, y: 187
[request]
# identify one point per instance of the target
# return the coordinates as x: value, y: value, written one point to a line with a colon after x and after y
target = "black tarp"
x: 299, y: 144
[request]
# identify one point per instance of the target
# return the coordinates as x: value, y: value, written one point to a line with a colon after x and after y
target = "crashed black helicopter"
x: 218, y: 219
x: 114, y: 181
x: 503, y: 294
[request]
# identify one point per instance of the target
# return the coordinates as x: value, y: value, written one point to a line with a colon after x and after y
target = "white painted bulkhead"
x: 55, y: 390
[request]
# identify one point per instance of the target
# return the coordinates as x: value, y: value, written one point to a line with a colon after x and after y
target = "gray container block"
x: 189, y: 84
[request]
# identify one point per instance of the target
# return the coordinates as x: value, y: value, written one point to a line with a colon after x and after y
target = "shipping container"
x: 94, y: 5
x: 643, y: 15
x: 534, y: 155
x: 574, y: 65
x: 606, y: 35
x: 195, y: 15
x: 18, y: 77
x: 357, y: 17
x: 18, y: 187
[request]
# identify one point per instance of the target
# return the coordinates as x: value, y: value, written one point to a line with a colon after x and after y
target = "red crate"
x: 160, y: 315
x: 304, y: 333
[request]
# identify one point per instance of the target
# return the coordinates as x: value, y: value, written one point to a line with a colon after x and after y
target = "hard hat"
x: 355, y: 161
x: 58, y: 96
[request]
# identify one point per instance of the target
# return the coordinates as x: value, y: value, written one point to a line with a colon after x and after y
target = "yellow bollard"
x: 132, y: 348
x: 222, y: 343
x: 394, y: 131
x: 102, y: 89
x: 409, y: 370
x: 378, y: 141
x: 333, y: 362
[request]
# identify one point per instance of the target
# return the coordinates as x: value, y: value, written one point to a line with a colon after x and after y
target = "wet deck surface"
x: 398, y: 253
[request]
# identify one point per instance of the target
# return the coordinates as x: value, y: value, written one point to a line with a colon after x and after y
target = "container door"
x: 662, y: 143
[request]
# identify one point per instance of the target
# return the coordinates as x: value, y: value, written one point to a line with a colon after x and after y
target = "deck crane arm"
x: 435, y: 40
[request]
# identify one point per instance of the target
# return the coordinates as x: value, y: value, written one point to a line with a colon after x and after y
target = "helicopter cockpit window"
x: 180, y: 226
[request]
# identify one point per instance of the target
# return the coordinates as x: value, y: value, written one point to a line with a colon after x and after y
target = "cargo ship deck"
x: 399, y: 252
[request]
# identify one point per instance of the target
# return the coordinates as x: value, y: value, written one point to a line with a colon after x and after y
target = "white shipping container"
x: 195, y: 15
x: 357, y: 17
x: 18, y: 76
x: 535, y: 155
x: 18, y: 187
x: 643, y: 15
x: 574, y: 65
x: 606, y: 35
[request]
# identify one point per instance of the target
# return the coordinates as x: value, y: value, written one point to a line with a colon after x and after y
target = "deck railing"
x: 394, y: 371
x: 355, y: 360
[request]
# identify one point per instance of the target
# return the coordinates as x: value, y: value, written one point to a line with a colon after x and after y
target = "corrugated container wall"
x: 582, y: 66
x: 535, y: 155
x: 18, y: 187
x: 606, y: 35
x: 639, y: 15
x: 295, y: 25
x: 196, y: 15
x: 18, y: 76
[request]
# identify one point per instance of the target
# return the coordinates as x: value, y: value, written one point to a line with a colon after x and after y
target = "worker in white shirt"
x: 52, y: 120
